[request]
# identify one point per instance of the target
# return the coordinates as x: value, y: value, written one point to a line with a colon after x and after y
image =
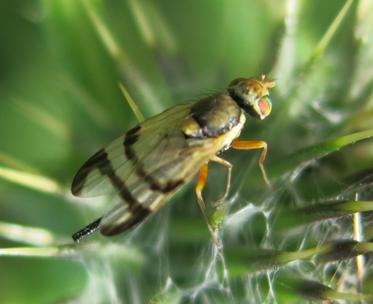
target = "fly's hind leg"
x: 228, y: 165
x: 200, y: 184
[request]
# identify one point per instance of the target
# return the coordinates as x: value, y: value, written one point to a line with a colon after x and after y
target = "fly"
x: 153, y: 160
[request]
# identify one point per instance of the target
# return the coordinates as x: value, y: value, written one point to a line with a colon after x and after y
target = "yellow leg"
x: 254, y: 145
x: 200, y: 184
x: 228, y: 165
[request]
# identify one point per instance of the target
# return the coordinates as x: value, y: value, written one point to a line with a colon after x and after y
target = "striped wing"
x: 144, y: 167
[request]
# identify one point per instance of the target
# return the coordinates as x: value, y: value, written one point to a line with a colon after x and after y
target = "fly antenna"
x: 267, y: 84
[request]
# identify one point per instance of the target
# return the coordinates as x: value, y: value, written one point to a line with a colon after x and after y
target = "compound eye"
x: 265, y: 105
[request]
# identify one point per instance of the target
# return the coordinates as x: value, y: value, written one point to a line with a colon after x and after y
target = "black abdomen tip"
x: 87, y: 230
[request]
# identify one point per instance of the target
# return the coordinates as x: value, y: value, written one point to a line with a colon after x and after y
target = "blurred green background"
x: 60, y: 65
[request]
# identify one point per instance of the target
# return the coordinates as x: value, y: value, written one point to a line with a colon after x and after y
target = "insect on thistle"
x: 153, y: 160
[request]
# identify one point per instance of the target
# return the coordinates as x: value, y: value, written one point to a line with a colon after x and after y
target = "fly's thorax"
x: 212, y: 117
x: 225, y: 140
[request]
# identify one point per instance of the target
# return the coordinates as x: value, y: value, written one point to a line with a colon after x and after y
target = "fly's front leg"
x: 254, y: 145
x: 200, y: 184
x: 228, y: 165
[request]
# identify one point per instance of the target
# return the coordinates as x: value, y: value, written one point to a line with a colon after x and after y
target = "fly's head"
x: 252, y: 95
